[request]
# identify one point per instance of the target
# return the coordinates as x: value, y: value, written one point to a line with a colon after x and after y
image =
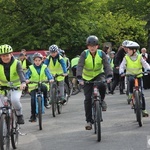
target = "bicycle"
x: 96, y: 108
x: 9, y: 128
x: 39, y: 100
x: 55, y: 98
x: 136, y: 100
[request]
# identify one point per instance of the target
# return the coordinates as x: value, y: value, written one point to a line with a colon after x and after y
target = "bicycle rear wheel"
x: 4, y: 132
x: 98, y: 121
x: 53, y: 100
x: 138, y: 108
x: 40, y: 112
x: 14, y: 130
x: 66, y: 92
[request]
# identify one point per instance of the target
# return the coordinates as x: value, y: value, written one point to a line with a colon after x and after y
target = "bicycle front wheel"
x: 4, y: 132
x: 98, y: 121
x: 14, y: 130
x: 138, y: 108
x: 40, y: 112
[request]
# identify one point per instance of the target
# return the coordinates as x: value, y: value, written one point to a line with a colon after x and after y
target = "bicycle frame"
x: 39, y: 94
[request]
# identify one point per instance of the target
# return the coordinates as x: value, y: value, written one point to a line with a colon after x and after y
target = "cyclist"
x: 11, y: 71
x: 37, y: 72
x: 24, y: 62
x: 74, y: 64
x: 57, y: 65
x: 93, y: 65
x: 133, y: 64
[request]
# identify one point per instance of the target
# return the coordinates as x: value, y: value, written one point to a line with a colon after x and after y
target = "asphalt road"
x: 66, y: 131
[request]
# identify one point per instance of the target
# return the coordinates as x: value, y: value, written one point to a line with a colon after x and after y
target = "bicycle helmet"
x: 132, y: 45
x: 37, y: 55
x: 53, y: 48
x: 5, y: 49
x: 92, y: 40
x: 112, y: 52
x: 124, y: 43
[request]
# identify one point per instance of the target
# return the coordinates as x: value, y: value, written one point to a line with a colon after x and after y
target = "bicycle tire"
x: 70, y: 87
x: 98, y: 121
x: 40, y: 112
x: 138, y: 108
x: 59, y: 107
x: 14, y: 130
x: 5, y: 132
x: 53, y: 100
x: 94, y: 117
x: 66, y: 93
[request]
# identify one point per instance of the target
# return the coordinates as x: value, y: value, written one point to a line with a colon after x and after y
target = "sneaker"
x: 145, y: 113
x: 88, y: 126
x: 104, y: 106
x: 47, y: 105
x: 20, y: 119
x: 62, y: 100
x: 32, y: 118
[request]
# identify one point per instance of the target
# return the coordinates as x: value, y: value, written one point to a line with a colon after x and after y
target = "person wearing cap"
x: 117, y: 61
x: 133, y: 64
x: 25, y: 54
x: 37, y: 72
x: 57, y: 65
x: 11, y: 71
x: 24, y: 62
x: 90, y: 57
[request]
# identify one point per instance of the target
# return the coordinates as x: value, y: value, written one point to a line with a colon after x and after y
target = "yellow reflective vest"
x: 92, y: 66
x: 37, y: 77
x: 13, y: 75
x: 134, y: 66
x: 56, y: 68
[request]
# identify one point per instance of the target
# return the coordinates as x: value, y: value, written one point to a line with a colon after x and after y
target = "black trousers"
x: 88, y: 89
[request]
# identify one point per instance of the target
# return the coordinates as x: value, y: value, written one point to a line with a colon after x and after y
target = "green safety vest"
x: 56, y: 68
x: 112, y: 63
x: 74, y: 61
x: 92, y: 66
x: 13, y: 75
x: 36, y: 77
x: 24, y: 64
x: 134, y: 66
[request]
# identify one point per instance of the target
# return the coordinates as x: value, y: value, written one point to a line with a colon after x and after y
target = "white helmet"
x: 132, y: 45
x: 124, y: 43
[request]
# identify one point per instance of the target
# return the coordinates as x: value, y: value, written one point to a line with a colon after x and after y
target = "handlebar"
x: 104, y: 81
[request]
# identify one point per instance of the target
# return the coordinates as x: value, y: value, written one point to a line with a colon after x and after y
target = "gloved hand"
x: 23, y: 86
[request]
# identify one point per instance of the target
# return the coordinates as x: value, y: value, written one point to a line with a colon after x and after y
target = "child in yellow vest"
x: 57, y: 65
x: 11, y: 71
x: 37, y: 72
x: 133, y: 64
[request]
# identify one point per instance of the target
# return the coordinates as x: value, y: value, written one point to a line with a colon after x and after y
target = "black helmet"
x: 92, y: 40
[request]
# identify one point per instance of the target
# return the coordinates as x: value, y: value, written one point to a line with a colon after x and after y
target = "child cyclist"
x: 133, y: 64
x: 57, y: 65
x: 37, y: 72
x: 11, y: 71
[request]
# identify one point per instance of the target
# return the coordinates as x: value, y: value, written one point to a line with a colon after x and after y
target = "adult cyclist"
x: 93, y: 65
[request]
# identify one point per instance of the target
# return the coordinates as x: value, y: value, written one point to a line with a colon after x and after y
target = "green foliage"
x: 36, y: 24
